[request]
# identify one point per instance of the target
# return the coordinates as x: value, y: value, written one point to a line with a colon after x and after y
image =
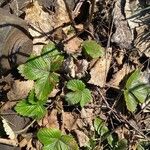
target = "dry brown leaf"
x: 76, y: 68
x: 20, y: 89
x: 142, y: 42
x: 7, y: 105
x: 41, y: 24
x: 118, y: 77
x: 119, y: 55
x: 82, y: 138
x: 8, y: 129
x: 30, y: 146
x: 51, y: 120
x: 61, y: 13
x: 99, y: 71
x: 88, y: 115
x: 69, y: 121
x: 26, y: 138
x: 73, y: 45
x: 54, y: 92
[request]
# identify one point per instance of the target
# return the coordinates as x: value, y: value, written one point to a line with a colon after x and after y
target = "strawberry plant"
x: 43, y: 70
x: 78, y: 94
x: 54, y: 139
x: 136, y: 91
x: 31, y: 107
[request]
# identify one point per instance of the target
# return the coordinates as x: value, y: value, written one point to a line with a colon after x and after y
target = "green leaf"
x: 131, y: 102
x: 42, y: 70
x: 140, y: 92
x: 34, y: 69
x: 80, y: 94
x: 136, y: 91
x: 122, y: 145
x: 75, y: 85
x: 53, y: 139
x: 31, y: 107
x: 45, y: 85
x: 102, y: 130
x: 51, y: 53
x: 133, y: 79
x: 35, y: 111
x: 93, y: 49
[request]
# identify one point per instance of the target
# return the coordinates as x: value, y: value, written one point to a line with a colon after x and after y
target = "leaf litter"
x: 105, y: 76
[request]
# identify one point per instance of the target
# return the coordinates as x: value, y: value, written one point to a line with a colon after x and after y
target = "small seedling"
x: 79, y: 93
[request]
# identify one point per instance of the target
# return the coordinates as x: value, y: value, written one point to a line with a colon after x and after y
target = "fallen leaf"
x: 20, y: 89
x: 73, y: 45
x: 82, y: 138
x: 8, y: 129
x: 87, y: 114
x: 118, y: 77
x: 69, y: 121
x: 51, y: 120
x: 41, y: 23
x: 61, y: 14
x: 99, y: 71
x: 76, y: 68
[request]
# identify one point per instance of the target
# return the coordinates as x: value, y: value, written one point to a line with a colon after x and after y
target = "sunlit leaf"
x: 136, y: 91
x: 31, y: 107
x: 42, y: 70
x: 53, y: 139
x: 79, y: 93
x: 93, y: 49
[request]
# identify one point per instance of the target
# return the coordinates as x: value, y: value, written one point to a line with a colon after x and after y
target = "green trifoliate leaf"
x: 42, y: 70
x: 53, y: 139
x: 131, y: 102
x: 34, y: 69
x: 133, y: 80
x: 136, y: 91
x: 75, y: 85
x: 45, y: 85
x: 31, y: 107
x: 141, y: 92
x: 93, y: 49
x: 51, y: 53
x: 79, y: 93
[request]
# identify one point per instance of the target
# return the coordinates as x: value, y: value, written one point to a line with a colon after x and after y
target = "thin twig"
x: 9, y: 142
x: 26, y: 128
x: 93, y: 2
x: 70, y: 15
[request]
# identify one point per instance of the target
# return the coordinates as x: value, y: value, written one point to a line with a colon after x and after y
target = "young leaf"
x: 75, y: 85
x: 42, y: 70
x: 102, y: 130
x: 31, y: 107
x: 79, y: 93
x: 136, y: 91
x: 51, y: 53
x: 53, y: 139
x: 93, y: 49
